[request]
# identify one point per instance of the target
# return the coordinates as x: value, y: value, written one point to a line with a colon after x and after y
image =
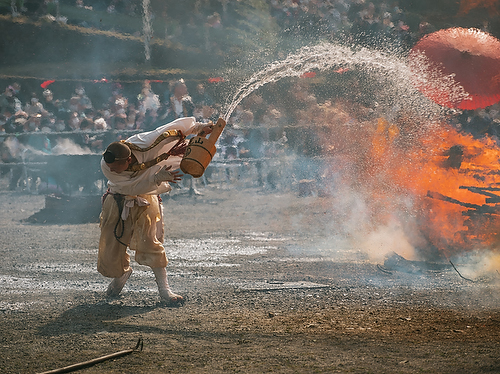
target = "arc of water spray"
x: 326, y: 56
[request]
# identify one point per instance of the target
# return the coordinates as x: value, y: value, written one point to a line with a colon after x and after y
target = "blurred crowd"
x: 38, y: 122
x: 266, y: 130
x: 40, y: 112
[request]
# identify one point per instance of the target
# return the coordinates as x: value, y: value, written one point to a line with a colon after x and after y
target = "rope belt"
x: 119, y: 199
x: 124, y: 203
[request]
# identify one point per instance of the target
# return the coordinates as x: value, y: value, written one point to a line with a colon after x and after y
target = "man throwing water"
x: 138, y: 170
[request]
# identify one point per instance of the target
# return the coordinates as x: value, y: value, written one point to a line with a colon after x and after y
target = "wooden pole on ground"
x: 81, y: 365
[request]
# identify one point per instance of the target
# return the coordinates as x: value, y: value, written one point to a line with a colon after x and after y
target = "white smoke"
x: 69, y: 147
x: 385, y: 240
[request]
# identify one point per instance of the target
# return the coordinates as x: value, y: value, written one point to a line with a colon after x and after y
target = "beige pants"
x: 142, y: 232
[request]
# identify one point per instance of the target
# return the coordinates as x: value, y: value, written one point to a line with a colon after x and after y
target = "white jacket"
x: 142, y: 182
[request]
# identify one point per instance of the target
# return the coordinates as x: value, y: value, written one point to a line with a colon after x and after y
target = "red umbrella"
x: 458, y: 68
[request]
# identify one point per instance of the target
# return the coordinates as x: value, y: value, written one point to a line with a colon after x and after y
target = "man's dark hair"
x: 116, y: 151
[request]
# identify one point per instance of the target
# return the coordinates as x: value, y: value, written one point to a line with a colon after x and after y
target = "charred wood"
x: 492, y: 198
x: 399, y: 263
x: 481, y: 209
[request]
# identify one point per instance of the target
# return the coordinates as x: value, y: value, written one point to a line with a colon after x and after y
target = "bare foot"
x: 168, y: 297
x: 116, y: 285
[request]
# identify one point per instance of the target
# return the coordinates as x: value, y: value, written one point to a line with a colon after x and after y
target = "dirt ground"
x: 267, y: 290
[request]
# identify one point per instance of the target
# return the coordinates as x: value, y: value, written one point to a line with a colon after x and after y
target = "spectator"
x: 205, y: 113
x: 9, y: 101
x: 16, y: 89
x: 73, y: 105
x: 100, y: 124
x: 132, y: 115
x: 83, y: 101
x: 180, y: 103
x: 47, y: 124
x: 148, y: 101
x: 16, y: 122
x: 86, y: 125
x: 201, y: 97
x: 252, y: 146
x: 60, y: 125
x: 120, y: 122
x: 117, y: 101
x: 33, y: 123
x: 73, y: 123
x: 169, y: 90
x: 229, y: 142
x: 34, y: 106
x: 97, y: 141
x: 49, y: 104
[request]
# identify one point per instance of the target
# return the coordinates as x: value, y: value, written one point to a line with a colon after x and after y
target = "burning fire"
x: 460, y: 205
x: 447, y: 181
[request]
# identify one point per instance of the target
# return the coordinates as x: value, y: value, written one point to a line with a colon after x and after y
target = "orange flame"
x: 451, y: 179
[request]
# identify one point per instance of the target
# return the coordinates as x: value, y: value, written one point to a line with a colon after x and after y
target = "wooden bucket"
x: 200, y: 151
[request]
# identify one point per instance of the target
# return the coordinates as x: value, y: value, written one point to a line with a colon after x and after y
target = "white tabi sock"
x: 166, y: 293
x: 116, y: 285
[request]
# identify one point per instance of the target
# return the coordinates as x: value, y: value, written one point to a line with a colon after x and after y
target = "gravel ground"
x: 267, y: 290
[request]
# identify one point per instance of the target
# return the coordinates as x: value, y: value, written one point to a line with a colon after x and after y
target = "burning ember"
x: 441, y: 186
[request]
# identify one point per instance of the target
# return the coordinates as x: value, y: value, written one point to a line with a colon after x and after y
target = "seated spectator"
x: 149, y: 121
x: 7, y: 121
x: 60, y: 125
x: 9, y: 101
x: 132, y: 114
x: 272, y: 118
x: 118, y: 102
x: 84, y: 101
x: 201, y: 97
x: 97, y: 142
x: 15, y: 124
x: 169, y: 91
x: 33, y: 123
x: 34, y: 106
x: 87, y: 125
x: 149, y: 104
x: 100, y: 124
x: 49, y: 104
x: 205, y: 113
x: 180, y: 103
x: 47, y: 124
x: 74, y: 104
x: 120, y: 122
